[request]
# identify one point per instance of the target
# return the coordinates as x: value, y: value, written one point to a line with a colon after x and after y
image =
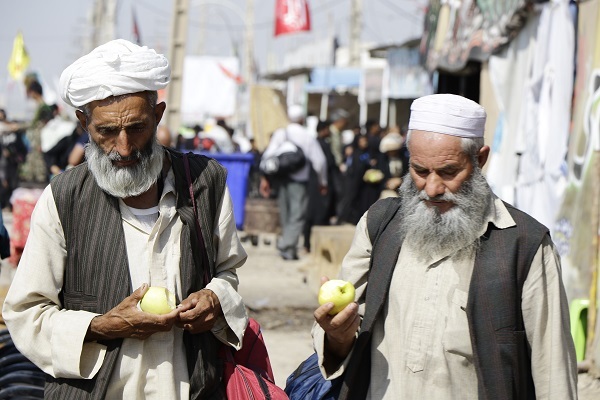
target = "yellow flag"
x: 19, y: 59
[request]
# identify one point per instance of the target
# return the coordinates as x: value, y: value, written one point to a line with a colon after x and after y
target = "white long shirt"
x: 53, y: 338
x: 421, y: 347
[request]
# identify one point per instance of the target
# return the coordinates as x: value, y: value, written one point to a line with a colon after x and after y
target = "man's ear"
x: 159, y: 111
x: 82, y: 119
x: 483, y: 155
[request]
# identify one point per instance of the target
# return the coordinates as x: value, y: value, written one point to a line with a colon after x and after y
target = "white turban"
x: 113, y: 69
x: 448, y: 114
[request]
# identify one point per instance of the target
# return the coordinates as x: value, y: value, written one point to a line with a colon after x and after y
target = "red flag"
x: 136, y: 30
x: 291, y: 16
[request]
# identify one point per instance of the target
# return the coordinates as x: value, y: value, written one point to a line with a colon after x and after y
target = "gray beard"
x: 130, y: 181
x: 433, y: 233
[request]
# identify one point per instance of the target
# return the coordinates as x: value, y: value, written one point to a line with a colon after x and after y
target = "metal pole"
x: 355, y: 32
x: 249, y: 44
x: 179, y: 30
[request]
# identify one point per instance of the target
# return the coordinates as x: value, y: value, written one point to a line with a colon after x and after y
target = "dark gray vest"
x: 96, y: 276
x: 501, y: 353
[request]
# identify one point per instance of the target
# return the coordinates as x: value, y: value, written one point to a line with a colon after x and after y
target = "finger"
x: 199, y: 326
x: 140, y: 292
x: 324, y: 279
x: 201, y: 311
x: 190, y: 302
x: 173, y: 315
x: 321, y: 314
x: 346, y: 318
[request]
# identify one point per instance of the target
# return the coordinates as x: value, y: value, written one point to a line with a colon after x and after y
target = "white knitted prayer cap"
x: 296, y: 113
x: 115, y: 68
x: 448, y: 114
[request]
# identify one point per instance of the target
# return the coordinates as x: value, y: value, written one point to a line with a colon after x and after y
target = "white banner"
x: 209, y: 88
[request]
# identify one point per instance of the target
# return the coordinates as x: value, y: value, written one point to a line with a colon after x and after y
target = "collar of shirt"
x: 499, y: 216
x: 166, y: 206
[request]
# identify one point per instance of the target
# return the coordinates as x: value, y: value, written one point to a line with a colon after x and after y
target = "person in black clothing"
x: 321, y: 206
x: 57, y: 158
x: 13, y: 151
x: 361, y: 188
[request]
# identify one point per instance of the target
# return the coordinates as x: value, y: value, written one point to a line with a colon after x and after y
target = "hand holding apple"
x: 158, y: 300
x: 336, y: 291
x: 128, y: 320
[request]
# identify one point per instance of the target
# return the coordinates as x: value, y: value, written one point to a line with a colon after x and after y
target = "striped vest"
x: 500, y: 349
x: 96, y: 276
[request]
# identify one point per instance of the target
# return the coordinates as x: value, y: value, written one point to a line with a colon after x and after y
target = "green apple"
x: 158, y: 300
x: 338, y: 292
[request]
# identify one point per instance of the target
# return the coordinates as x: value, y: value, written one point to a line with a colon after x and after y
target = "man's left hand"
x: 199, y: 312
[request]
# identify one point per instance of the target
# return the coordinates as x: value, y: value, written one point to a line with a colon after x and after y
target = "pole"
x: 385, y: 96
x: 249, y: 44
x: 176, y: 58
x: 355, y: 32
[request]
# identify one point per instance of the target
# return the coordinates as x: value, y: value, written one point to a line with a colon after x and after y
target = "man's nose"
x: 434, y: 186
x: 124, y: 145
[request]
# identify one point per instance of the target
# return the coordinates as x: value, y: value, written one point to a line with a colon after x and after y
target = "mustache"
x: 136, y: 154
x: 449, y: 197
x: 115, y: 156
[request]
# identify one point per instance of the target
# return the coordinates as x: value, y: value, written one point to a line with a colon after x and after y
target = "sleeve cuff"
x: 73, y: 357
x: 319, y: 344
x: 229, y: 328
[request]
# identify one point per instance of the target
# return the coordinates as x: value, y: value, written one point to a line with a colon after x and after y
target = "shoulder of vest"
x: 522, y: 218
x: 70, y: 179
x: 378, y: 212
x: 198, y: 163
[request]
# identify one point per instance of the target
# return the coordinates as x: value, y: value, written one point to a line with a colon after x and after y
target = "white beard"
x: 433, y: 233
x: 129, y: 181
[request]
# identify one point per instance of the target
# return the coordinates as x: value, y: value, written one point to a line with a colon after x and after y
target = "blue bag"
x: 307, y: 382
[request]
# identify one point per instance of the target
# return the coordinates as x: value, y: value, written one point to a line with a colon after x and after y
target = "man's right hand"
x: 127, y: 321
x: 340, y: 329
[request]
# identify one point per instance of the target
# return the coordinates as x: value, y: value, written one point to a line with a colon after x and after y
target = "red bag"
x: 247, y: 372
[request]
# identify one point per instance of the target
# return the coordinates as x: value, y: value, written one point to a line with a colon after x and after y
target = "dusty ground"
x: 278, y: 297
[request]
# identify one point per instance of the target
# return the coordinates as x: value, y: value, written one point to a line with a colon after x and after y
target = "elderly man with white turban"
x: 105, y: 231
x: 458, y: 294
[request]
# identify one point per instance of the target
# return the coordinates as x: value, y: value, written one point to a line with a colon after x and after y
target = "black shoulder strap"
x: 379, y: 215
x: 384, y: 255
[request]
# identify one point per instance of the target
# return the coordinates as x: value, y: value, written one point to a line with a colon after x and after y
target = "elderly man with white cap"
x: 105, y: 231
x: 458, y: 294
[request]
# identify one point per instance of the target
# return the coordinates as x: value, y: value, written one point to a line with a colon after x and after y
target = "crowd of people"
x: 347, y: 172
x: 459, y: 295
x: 34, y: 151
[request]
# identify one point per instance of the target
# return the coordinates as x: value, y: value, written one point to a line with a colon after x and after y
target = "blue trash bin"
x: 238, y: 173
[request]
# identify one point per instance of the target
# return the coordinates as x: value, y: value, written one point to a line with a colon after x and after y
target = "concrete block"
x: 329, y: 246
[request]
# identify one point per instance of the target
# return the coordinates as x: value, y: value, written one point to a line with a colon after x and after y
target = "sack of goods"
x: 288, y: 159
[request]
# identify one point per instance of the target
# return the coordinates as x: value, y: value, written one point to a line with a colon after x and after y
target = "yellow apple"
x: 158, y: 300
x: 338, y: 292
